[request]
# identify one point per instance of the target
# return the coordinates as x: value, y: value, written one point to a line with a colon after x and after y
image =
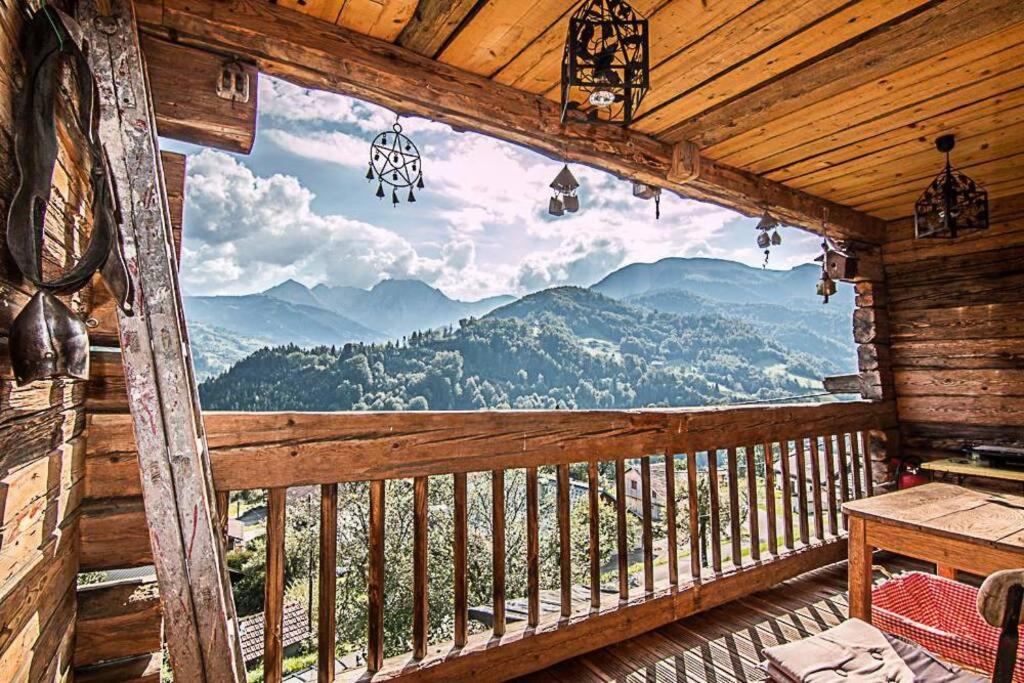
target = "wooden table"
x: 952, y: 526
x: 961, y: 468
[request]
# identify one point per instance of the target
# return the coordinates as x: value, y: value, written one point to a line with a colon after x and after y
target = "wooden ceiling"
x: 841, y: 99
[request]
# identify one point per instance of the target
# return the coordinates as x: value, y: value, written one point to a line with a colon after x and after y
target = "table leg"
x: 860, y: 556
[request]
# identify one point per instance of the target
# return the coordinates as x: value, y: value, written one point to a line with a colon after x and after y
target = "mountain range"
x: 779, y: 305
x: 231, y: 327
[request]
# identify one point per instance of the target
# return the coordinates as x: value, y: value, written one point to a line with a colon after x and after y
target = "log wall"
x: 957, y: 334
x: 42, y: 446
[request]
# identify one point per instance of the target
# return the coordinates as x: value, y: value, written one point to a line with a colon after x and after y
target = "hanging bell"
x: 555, y: 207
x: 776, y: 238
x: 394, y: 198
x: 369, y: 173
x: 411, y: 198
x: 657, y: 206
x: 763, y: 240
x: 826, y: 288
x: 419, y: 183
x: 48, y: 341
x: 380, y: 190
x: 572, y: 203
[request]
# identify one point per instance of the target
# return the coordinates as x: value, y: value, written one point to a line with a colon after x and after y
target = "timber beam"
x: 317, y: 54
x: 177, y: 484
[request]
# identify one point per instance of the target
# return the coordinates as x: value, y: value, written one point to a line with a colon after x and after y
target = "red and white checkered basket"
x: 942, y: 616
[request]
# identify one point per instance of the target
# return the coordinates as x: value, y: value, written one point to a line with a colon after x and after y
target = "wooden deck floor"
x: 722, y: 645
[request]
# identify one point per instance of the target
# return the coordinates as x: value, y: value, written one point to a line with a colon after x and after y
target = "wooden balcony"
x: 805, y: 460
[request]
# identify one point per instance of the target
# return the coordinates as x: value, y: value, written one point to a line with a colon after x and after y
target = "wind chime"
x: 768, y: 224
x: 565, y: 197
x: 649, y: 192
x: 395, y: 162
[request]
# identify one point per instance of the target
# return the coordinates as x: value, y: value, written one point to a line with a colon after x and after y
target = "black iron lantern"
x: 605, y: 70
x: 952, y: 204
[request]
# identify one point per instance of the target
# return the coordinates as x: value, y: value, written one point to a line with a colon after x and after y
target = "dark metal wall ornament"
x: 565, y: 197
x: 952, y: 203
x: 649, y: 192
x: 395, y: 161
x: 47, y: 340
x: 768, y: 224
x: 605, y: 65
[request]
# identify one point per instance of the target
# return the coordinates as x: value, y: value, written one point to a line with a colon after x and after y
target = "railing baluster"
x: 273, y: 603
x: 620, y: 527
x: 375, y: 579
x: 670, y: 519
x: 692, y: 499
x: 565, y: 558
x: 850, y: 454
x: 787, y: 495
x: 595, y: 535
x: 461, y: 541
x: 419, y: 569
x: 328, y: 581
x: 835, y: 442
x: 801, y: 490
x: 734, y: 509
x: 769, y: 497
x: 532, y: 549
x: 865, y: 456
x: 753, y: 511
x: 830, y: 473
x: 716, y: 523
x: 498, y: 552
x: 819, y: 512
x: 648, y: 528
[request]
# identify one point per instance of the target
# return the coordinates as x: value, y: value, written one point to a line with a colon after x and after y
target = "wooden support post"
x: 692, y: 498
x: 648, y: 530
x: 498, y: 549
x: 199, y: 612
x: 564, y: 539
x: 420, y: 597
x: 375, y: 579
x: 670, y: 519
x: 594, y: 548
x: 532, y: 549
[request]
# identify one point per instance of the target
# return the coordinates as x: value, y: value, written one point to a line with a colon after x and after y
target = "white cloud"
x: 247, y: 233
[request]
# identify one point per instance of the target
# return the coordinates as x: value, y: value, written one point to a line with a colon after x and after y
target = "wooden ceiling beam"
x: 433, y: 23
x: 315, y: 54
x: 183, y: 81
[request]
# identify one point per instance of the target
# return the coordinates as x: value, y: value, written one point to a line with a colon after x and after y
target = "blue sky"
x: 301, y: 207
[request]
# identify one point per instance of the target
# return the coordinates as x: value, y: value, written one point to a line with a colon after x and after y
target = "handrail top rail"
x: 266, y: 450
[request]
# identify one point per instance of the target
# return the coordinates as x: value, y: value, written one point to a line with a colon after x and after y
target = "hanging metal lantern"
x: 565, y: 198
x: 649, y: 192
x: 768, y: 235
x: 952, y: 204
x: 395, y: 162
x: 605, y: 70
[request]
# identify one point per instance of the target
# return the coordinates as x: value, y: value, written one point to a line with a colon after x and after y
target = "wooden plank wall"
x: 957, y: 333
x: 114, y: 533
x: 41, y: 424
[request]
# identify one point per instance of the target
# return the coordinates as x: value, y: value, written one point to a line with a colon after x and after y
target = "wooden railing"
x: 820, y: 452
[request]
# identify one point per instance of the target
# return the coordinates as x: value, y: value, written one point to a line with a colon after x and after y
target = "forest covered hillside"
x: 564, y: 347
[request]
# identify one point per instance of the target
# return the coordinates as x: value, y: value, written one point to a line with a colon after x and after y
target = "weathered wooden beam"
x: 202, y: 632
x: 315, y: 54
x: 185, y: 100
x: 433, y: 23
x: 117, y: 620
